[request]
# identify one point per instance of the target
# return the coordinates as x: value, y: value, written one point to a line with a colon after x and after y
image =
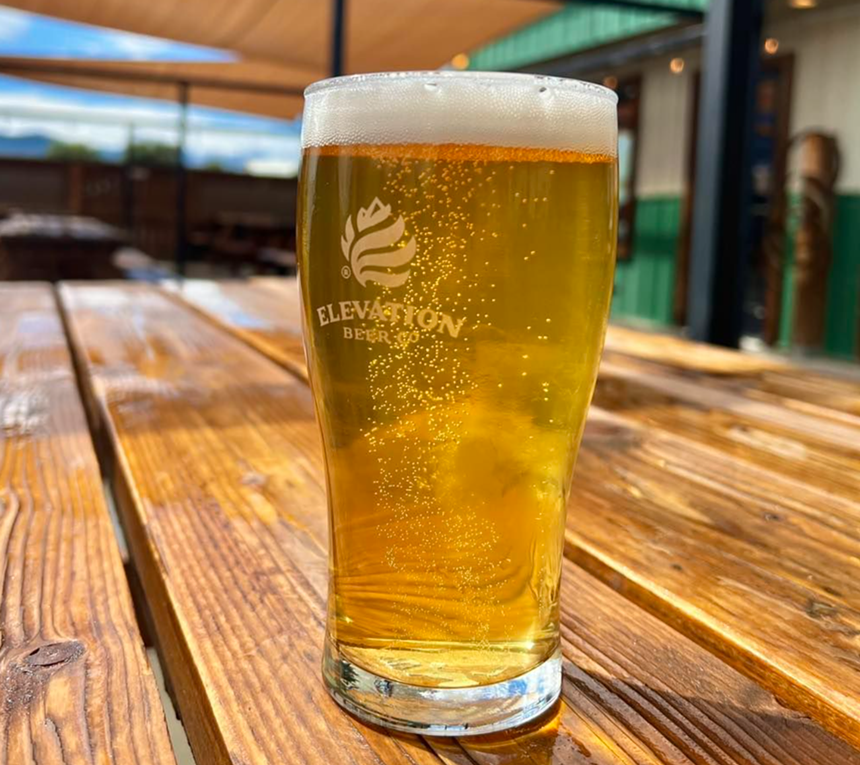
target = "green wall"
x: 645, y: 284
x: 842, y: 292
x: 843, y: 288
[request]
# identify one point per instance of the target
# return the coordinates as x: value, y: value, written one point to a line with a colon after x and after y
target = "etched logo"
x: 375, y: 249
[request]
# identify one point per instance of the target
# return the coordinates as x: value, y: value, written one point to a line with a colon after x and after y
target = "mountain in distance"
x: 28, y: 146
x: 36, y: 146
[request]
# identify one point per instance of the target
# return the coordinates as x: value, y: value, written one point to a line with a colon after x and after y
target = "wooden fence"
x: 142, y: 200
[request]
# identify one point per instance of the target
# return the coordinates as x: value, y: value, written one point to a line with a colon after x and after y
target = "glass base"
x: 441, y: 711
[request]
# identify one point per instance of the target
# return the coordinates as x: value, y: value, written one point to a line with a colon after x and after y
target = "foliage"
x: 72, y: 152
x: 151, y: 154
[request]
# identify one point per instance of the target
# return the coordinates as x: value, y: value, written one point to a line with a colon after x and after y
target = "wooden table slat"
x: 769, y: 375
x: 689, y: 502
x: 757, y: 387
x: 245, y: 309
x: 207, y: 437
x: 75, y: 684
x: 814, y: 451
x: 219, y: 453
x: 758, y: 567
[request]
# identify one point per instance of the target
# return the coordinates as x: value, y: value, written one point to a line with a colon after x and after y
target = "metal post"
x: 181, y: 179
x: 128, y: 183
x: 338, y: 37
x: 721, y: 212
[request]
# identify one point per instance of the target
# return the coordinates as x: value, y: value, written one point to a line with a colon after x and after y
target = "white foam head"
x: 483, y: 108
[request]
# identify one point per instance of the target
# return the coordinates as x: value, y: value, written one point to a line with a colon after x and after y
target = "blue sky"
x: 101, y: 119
x: 26, y: 34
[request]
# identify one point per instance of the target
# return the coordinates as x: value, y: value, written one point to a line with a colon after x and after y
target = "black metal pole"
x: 128, y: 184
x: 721, y: 211
x: 338, y: 37
x: 181, y: 179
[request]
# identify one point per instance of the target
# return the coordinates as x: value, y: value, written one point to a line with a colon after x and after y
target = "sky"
x: 102, y: 120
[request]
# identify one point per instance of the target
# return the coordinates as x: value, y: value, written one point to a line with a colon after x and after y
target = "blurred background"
x: 145, y: 138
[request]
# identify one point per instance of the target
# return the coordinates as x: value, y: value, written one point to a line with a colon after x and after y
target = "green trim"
x: 645, y: 284
x: 843, y: 305
x: 574, y: 28
x: 785, y: 320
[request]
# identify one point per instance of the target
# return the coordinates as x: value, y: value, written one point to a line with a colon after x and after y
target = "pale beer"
x: 456, y: 272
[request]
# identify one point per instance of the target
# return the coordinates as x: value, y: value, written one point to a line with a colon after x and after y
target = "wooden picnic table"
x: 711, y: 597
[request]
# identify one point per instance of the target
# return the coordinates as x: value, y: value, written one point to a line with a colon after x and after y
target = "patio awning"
x: 254, y: 87
x: 284, y: 44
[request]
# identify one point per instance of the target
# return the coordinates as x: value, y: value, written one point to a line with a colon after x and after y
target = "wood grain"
x: 215, y: 463
x: 75, y: 684
x: 725, y: 517
x: 258, y: 312
x: 816, y: 451
x: 760, y: 568
x: 817, y: 442
x: 752, y: 388
x: 766, y: 375
x: 220, y: 455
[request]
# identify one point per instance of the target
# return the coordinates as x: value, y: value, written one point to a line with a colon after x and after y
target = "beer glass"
x: 457, y: 236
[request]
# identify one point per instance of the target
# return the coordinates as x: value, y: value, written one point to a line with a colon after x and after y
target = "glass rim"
x: 566, y: 83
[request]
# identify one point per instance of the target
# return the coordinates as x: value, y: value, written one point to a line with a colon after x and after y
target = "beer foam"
x: 479, y: 108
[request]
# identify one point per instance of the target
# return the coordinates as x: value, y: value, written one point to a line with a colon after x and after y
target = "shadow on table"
x: 617, y: 394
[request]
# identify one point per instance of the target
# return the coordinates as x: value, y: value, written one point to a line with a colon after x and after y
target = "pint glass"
x: 457, y: 237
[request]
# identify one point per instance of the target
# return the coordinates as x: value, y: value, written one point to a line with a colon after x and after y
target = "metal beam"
x: 81, y: 115
x: 103, y: 73
x: 644, y: 5
x: 338, y: 38
x: 623, y: 53
x: 181, y: 179
x: 721, y: 211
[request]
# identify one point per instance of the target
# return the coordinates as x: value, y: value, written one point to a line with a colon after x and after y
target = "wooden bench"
x: 711, y: 598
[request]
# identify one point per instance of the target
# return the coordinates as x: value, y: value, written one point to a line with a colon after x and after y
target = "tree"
x: 213, y: 166
x: 151, y: 154
x: 72, y: 152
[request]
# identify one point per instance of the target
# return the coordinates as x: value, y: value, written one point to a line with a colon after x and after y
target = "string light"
x: 676, y: 65
x: 460, y: 61
x: 610, y: 82
x: 771, y: 45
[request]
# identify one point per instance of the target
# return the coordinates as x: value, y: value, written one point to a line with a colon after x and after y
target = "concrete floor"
x: 174, y: 725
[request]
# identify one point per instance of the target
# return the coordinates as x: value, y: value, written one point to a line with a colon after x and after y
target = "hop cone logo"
x: 374, y: 248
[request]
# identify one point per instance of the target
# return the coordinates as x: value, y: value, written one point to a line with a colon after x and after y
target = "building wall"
x: 644, y: 284
x: 826, y: 73
x: 664, y: 130
x: 826, y: 49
